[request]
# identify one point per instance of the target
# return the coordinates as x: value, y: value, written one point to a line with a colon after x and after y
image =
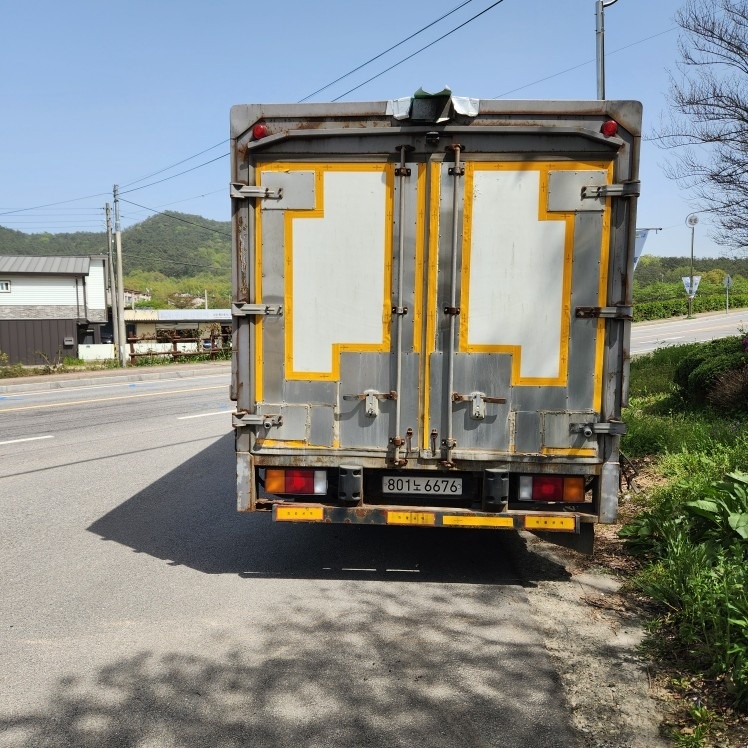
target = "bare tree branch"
x: 708, y: 126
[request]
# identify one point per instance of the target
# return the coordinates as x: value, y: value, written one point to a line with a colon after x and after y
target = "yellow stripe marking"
x: 299, y: 513
x: 110, y: 399
x: 411, y: 518
x: 570, y: 451
x: 320, y: 169
x: 602, y: 294
x: 467, y: 521
x: 550, y: 523
x: 544, y: 169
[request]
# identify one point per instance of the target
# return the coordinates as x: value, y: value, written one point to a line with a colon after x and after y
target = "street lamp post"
x: 600, y: 5
x: 691, y: 221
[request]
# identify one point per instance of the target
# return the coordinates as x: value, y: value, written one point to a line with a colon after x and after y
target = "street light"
x: 691, y: 221
x: 600, y: 5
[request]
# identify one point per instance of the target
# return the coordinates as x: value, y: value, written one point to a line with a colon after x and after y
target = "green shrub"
x: 703, y: 363
x: 678, y: 306
x: 7, y: 369
x: 706, y: 374
x: 697, y: 550
x: 730, y: 391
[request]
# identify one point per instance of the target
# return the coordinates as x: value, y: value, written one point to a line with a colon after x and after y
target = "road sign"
x: 687, y: 284
x: 727, y: 282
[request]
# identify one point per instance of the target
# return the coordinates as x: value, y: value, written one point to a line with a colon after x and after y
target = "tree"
x: 709, y: 124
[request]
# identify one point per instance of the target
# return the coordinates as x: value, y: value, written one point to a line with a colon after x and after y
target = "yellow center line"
x: 109, y: 399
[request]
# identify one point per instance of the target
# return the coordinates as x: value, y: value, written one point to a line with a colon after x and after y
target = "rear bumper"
x: 535, y: 521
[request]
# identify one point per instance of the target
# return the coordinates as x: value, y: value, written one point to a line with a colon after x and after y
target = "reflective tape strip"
x: 411, y: 518
x: 467, y: 521
x: 550, y: 523
x: 299, y: 513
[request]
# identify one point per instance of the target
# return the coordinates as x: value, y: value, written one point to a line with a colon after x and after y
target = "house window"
x: 4, y: 286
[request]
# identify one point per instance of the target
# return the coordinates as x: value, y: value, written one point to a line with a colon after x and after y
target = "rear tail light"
x: 551, y: 488
x: 296, y: 481
x: 609, y: 128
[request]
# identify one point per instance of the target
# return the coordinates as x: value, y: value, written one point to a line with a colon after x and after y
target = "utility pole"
x: 112, y: 286
x: 600, y: 6
x: 692, y: 220
x: 120, y: 289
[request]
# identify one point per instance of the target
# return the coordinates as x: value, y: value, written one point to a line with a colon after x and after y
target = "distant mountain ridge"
x: 175, y: 244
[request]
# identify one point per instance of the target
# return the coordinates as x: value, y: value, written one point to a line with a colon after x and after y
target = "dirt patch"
x: 593, y: 633
x: 594, y: 628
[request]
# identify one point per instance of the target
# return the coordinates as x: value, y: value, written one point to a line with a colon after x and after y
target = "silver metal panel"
x: 527, y: 437
x: 360, y: 372
x: 539, y: 398
x: 295, y: 426
x: 410, y: 240
x: 303, y: 391
x: 298, y: 190
x: 322, y: 426
x: 584, y: 292
x: 273, y: 292
x: 491, y: 375
x: 565, y: 191
x: 557, y: 434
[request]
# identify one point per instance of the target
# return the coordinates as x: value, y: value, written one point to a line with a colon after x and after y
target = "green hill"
x: 176, y: 245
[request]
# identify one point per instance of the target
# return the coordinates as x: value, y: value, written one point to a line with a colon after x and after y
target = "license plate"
x: 422, y: 486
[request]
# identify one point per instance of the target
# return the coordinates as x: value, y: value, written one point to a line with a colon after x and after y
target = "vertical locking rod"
x: 402, y: 174
x: 457, y: 171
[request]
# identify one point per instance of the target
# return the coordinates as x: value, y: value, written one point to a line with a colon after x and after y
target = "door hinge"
x: 611, y: 428
x: 606, y: 312
x: 254, y: 310
x: 624, y: 189
x: 249, y: 191
x: 256, y: 420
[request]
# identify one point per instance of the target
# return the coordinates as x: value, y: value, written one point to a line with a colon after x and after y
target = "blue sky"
x: 96, y: 94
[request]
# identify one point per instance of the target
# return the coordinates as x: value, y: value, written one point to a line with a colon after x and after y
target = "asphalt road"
x: 648, y: 336
x: 139, y: 609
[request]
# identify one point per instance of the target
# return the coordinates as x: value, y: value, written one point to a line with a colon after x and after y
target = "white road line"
x: 109, y: 385
x: 28, y: 439
x: 202, y: 415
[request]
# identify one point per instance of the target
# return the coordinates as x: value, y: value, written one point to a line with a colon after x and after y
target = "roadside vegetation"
x: 659, y: 292
x: 688, y: 418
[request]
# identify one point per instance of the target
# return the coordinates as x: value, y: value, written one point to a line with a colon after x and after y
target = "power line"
x: 417, y: 52
x: 59, y: 202
x: 386, y: 51
x: 175, y: 218
x: 583, y: 64
x: 178, y: 163
x: 139, y: 256
x: 174, y: 176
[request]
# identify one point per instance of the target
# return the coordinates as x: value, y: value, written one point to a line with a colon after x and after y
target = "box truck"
x: 431, y: 311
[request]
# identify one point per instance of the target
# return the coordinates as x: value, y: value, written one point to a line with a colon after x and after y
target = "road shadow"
x: 386, y: 670
x: 188, y: 517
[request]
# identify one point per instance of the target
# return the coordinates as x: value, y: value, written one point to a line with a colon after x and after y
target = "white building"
x: 51, y: 305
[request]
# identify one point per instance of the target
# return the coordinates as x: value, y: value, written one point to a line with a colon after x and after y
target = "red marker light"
x: 609, y: 128
x: 260, y: 131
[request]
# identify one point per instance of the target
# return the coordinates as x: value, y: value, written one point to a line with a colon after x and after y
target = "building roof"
x: 31, y: 265
x: 194, y: 315
x: 177, y: 315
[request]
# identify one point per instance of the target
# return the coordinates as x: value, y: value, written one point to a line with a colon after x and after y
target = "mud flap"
x: 582, y: 542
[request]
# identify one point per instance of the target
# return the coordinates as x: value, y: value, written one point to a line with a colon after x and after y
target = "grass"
x: 691, y: 533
